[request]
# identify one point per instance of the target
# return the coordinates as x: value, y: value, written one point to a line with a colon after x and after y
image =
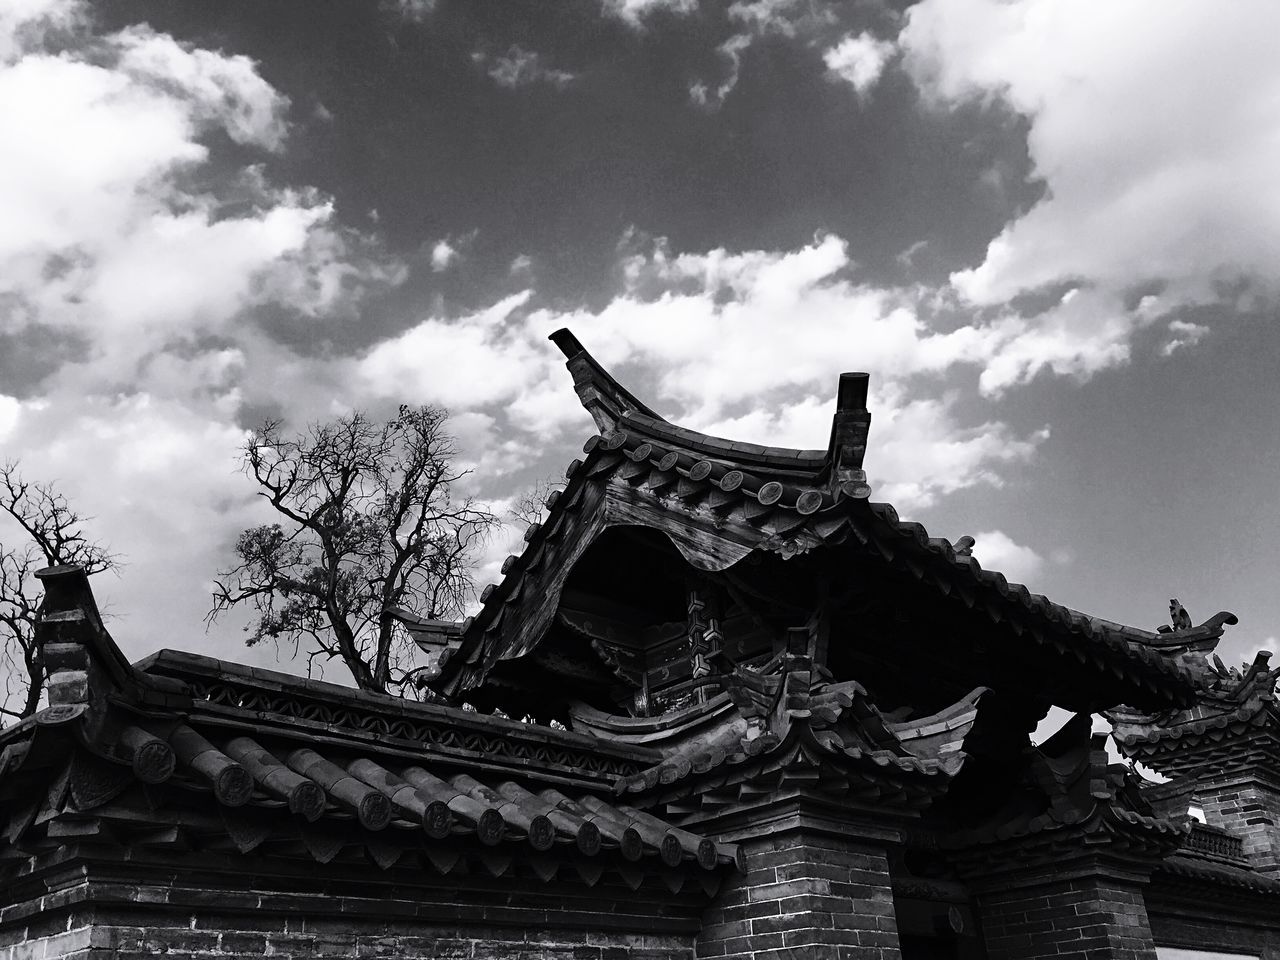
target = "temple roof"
x: 719, y: 500
x: 1235, y: 720
x: 182, y: 746
x: 1068, y: 801
x: 791, y: 724
x: 614, y: 408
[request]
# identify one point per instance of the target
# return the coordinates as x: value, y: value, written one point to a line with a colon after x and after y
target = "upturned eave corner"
x: 603, y: 397
x: 86, y: 669
x: 719, y: 501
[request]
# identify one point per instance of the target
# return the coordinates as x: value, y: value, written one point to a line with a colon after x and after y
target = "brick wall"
x: 1215, y: 934
x: 1088, y: 918
x: 246, y: 938
x: 804, y: 896
x: 1250, y: 809
x: 97, y: 921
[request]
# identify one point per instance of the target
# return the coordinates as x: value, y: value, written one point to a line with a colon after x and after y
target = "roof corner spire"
x: 849, y: 429
x: 604, y: 398
x: 85, y: 667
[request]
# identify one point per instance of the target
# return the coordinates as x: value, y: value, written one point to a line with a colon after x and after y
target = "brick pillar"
x: 806, y: 894
x: 1095, y: 917
x: 1247, y: 806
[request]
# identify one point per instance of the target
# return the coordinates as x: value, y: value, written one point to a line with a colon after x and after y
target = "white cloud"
x: 1083, y: 332
x: 519, y: 67
x: 859, y: 60
x: 414, y: 11
x: 107, y: 242
x: 442, y: 255
x: 158, y: 480
x: 731, y: 52
x: 727, y: 306
x: 103, y: 238
x: 702, y: 331
x: 918, y: 451
x: 767, y: 16
x: 219, y: 88
x: 996, y: 550
x: 635, y: 12
x: 1155, y: 172
x: 753, y: 19
x: 1183, y: 333
x: 25, y: 23
x: 10, y: 410
x: 437, y: 360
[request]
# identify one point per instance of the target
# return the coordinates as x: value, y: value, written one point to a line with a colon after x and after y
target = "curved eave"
x: 1151, y: 733
x: 615, y: 408
x: 804, y: 754
x: 800, y: 516
x: 256, y: 782
x: 1047, y: 622
x: 1200, y: 873
x: 804, y: 465
x: 602, y: 395
x: 787, y: 502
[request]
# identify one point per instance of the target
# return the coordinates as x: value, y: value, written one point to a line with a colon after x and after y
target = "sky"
x: 1049, y: 229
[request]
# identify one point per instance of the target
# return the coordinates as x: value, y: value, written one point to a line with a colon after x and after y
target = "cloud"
x: 1154, y: 174
x: 161, y: 490
x: 768, y: 16
x: 731, y: 50
x: 634, y: 13
x: 414, y: 11
x: 24, y: 24
x: 220, y: 89
x: 107, y: 238
x: 699, y: 334
x: 859, y: 61
x: 10, y: 410
x: 753, y: 19
x: 126, y: 234
x: 443, y: 254
x: 918, y: 451
x: 519, y: 67
x: 996, y: 550
x: 1182, y: 333
x: 437, y: 360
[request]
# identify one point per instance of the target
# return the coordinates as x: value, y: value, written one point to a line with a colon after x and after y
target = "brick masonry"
x: 1250, y: 809
x: 805, y: 896
x: 1217, y: 934
x: 243, y: 938
x: 1087, y: 918
x: 101, y: 921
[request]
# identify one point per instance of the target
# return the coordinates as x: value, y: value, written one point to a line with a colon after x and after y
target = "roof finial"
x: 604, y: 398
x: 849, y: 436
x: 1178, y: 615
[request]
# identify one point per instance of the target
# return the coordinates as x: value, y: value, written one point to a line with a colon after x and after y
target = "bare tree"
x: 50, y: 534
x: 369, y: 524
x: 530, y: 506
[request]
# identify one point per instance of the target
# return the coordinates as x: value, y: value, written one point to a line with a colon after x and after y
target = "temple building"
x: 761, y: 716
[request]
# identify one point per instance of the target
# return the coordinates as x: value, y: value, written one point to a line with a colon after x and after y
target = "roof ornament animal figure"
x: 964, y: 546
x: 1178, y: 615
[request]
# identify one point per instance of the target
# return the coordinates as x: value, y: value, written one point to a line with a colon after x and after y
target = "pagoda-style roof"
x: 720, y: 502
x: 792, y: 727
x: 182, y: 749
x: 1234, y: 724
x: 1065, y: 801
